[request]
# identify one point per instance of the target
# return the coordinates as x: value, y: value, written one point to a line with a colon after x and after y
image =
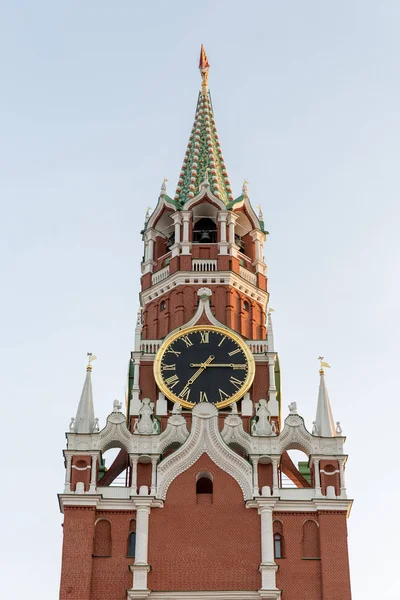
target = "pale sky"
x: 97, y: 102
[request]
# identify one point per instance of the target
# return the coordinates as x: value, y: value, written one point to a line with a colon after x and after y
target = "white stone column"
x: 273, y: 404
x: 232, y: 218
x: 186, y: 245
x: 142, y: 534
x: 342, y: 477
x: 258, y: 240
x: 154, y: 460
x: 67, y: 487
x: 149, y: 240
x: 275, y: 483
x: 267, y: 536
x: 135, y: 403
x: 317, y: 478
x: 133, y: 462
x: 268, y: 567
x: 177, y: 219
x: 223, y: 243
x: 93, y: 474
x: 271, y: 367
x: 256, y: 490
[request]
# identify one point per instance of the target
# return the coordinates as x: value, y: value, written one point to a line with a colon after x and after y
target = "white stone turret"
x: 324, y: 423
x: 84, y: 420
x: 270, y: 332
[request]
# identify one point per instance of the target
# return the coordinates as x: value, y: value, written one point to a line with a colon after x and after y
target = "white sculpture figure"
x: 262, y: 425
x: 273, y: 427
x: 145, y: 424
x: 314, y: 428
x: 338, y: 428
x: 253, y: 427
x: 72, y: 424
x: 135, y: 426
x: 293, y: 408
x: 117, y: 405
x: 155, y: 426
x: 177, y: 408
x: 234, y: 408
x: 96, y: 425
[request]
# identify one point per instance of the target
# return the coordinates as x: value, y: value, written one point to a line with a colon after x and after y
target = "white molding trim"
x: 208, y: 595
x: 180, y: 278
x: 204, y: 438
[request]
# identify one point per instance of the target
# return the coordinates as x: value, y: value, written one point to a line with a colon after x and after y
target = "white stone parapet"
x: 204, y: 265
x: 160, y: 275
x: 248, y: 275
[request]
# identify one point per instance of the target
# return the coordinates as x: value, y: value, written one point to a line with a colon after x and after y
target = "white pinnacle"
x: 325, y: 425
x: 84, y: 420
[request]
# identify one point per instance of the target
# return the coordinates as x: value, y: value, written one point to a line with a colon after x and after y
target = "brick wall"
x: 204, y: 546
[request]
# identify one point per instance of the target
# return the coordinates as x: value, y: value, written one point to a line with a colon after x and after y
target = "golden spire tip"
x: 204, y: 67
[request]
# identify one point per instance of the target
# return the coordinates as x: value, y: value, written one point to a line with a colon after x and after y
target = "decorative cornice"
x: 181, y: 277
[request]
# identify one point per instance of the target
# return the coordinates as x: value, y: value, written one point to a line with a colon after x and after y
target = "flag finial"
x: 204, y: 67
x: 322, y: 364
x: 91, y: 358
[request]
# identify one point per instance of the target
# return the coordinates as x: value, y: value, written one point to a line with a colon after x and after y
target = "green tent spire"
x: 203, y: 159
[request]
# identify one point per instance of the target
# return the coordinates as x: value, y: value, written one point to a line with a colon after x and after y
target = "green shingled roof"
x: 203, y: 158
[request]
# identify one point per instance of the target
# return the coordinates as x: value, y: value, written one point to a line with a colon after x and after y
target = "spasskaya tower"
x: 203, y: 498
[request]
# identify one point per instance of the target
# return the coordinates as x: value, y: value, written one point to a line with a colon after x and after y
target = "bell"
x: 205, y: 237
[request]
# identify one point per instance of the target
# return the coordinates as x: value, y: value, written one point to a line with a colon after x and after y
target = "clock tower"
x: 204, y: 498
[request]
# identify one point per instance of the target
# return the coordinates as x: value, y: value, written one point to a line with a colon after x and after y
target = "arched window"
x: 204, y: 488
x: 205, y: 231
x: 246, y: 306
x: 278, y: 545
x: 310, y: 543
x: 163, y: 305
x: 102, y: 538
x: 132, y: 539
x: 278, y: 539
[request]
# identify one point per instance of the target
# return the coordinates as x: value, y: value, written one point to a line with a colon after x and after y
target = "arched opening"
x: 294, y: 469
x: 102, y: 538
x: 310, y: 542
x: 114, y: 468
x: 205, y: 231
x: 204, y: 488
x: 132, y: 539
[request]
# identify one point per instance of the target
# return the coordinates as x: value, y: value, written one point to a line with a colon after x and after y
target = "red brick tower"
x: 210, y: 505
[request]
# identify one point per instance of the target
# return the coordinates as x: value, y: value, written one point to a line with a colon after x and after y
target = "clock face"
x: 204, y: 364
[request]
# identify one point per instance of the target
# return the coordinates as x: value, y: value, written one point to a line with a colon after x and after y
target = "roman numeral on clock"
x: 236, y: 382
x: 172, y: 351
x: 223, y: 395
x: 204, y: 338
x: 203, y: 397
x: 168, y: 367
x: 234, y: 352
x: 172, y: 381
x: 187, y: 340
x: 184, y: 394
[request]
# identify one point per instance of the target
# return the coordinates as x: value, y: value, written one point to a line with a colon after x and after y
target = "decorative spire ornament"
x: 84, y: 420
x: 244, y: 187
x: 324, y: 422
x: 163, y: 186
x: 260, y: 213
x: 204, y: 67
x: 203, y: 151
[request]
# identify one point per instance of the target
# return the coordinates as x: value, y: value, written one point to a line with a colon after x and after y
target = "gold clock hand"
x: 203, y: 366
x: 231, y: 365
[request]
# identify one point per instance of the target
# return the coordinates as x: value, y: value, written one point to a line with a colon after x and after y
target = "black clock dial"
x: 204, y: 364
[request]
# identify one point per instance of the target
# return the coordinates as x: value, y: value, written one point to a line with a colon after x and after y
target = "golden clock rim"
x: 224, y: 331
